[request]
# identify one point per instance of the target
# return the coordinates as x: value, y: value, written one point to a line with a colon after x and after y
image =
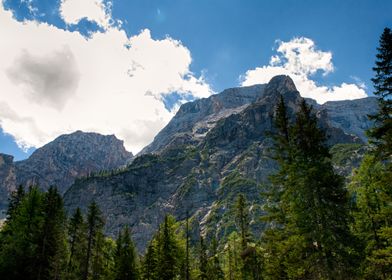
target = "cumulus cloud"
x: 300, y: 59
x: 51, y: 79
x: 72, y: 11
x: 55, y: 81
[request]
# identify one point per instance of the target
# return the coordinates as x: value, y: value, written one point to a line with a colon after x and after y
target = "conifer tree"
x: 77, y: 239
x: 215, y: 271
x: 150, y: 262
x: 372, y: 188
x: 52, y: 244
x: 20, y: 238
x: 203, y: 260
x: 381, y: 133
x: 95, y: 226
x: 125, y: 260
x: 14, y: 201
x: 170, y: 254
x: 310, y: 214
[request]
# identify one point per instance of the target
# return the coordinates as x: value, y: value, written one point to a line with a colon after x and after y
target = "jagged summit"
x: 281, y: 84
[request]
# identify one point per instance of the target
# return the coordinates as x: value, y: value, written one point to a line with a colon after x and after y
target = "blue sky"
x: 225, y: 39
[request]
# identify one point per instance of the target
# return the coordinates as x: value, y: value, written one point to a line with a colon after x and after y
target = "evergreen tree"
x: 151, y: 263
x: 187, y: 249
x: 95, y: 243
x: 170, y: 251
x: 242, y: 220
x: 77, y: 240
x: 310, y: 207
x: 52, y: 245
x: 215, y: 271
x: 372, y: 188
x: 382, y: 132
x: 203, y: 260
x: 14, y: 201
x: 20, y: 238
x: 125, y: 261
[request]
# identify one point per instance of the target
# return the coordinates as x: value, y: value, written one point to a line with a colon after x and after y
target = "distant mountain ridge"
x: 59, y: 162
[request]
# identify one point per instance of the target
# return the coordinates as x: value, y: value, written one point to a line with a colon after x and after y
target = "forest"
x: 319, y: 224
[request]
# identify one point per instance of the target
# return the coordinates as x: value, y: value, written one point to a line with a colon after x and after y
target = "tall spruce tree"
x: 20, y: 239
x: 95, y: 224
x: 150, y: 264
x: 372, y: 188
x: 203, y: 259
x: 215, y: 271
x: 309, y: 214
x: 170, y: 254
x: 52, y: 250
x: 381, y: 133
x: 77, y: 240
x: 125, y: 259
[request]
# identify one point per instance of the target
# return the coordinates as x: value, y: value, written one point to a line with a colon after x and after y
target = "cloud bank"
x: 55, y: 81
x: 300, y: 59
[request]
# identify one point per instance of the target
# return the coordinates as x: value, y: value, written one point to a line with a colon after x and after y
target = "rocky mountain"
x: 7, y: 179
x: 59, y: 162
x: 194, y: 119
x: 213, y: 149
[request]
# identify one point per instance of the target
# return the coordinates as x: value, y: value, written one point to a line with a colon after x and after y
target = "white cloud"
x: 54, y: 81
x: 72, y: 11
x: 300, y: 59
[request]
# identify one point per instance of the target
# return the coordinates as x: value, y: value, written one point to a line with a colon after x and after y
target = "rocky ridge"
x: 208, y: 153
x: 59, y: 162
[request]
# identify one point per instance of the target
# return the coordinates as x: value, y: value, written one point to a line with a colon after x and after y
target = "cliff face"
x: 194, y: 119
x: 212, y: 150
x: 61, y: 161
x: 7, y: 181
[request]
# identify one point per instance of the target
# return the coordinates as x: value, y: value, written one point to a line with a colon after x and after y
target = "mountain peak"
x: 281, y: 84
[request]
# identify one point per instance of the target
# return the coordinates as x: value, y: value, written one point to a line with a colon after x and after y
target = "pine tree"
x: 372, y: 188
x: 187, y: 249
x: 95, y: 226
x: 203, y: 260
x: 20, y: 238
x: 382, y: 132
x: 170, y: 254
x: 215, y: 271
x: 125, y: 261
x: 52, y: 245
x: 311, y: 212
x: 150, y: 264
x: 242, y: 220
x: 77, y: 239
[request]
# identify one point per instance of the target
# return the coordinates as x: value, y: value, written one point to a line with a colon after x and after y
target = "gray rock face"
x: 61, y: 161
x: 351, y: 115
x: 70, y: 156
x: 194, y: 119
x: 212, y: 150
x: 7, y: 181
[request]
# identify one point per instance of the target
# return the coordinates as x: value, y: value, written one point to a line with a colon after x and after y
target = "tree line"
x: 318, y: 226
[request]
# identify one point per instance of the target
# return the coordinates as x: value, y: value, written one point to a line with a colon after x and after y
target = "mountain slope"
x: 202, y: 174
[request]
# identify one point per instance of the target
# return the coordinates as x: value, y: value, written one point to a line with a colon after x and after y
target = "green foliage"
x: 341, y: 153
x: 307, y: 206
x: 95, y: 242
x: 372, y: 189
x: 77, y: 240
x: 165, y: 254
x: 381, y: 133
x: 126, y: 265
